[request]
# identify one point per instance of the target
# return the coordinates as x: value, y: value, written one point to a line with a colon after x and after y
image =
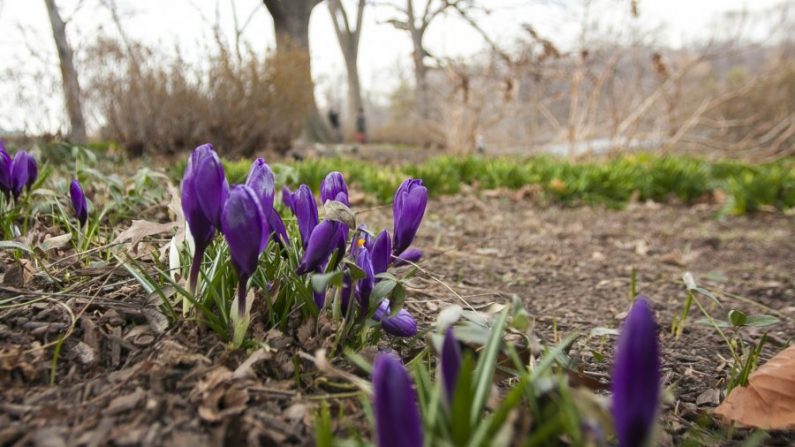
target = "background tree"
x: 349, y: 44
x: 416, y: 22
x: 71, y: 85
x: 291, y: 25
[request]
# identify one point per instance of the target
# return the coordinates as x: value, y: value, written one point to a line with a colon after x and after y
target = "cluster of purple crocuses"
x: 18, y: 173
x: 635, y: 385
x: 246, y: 217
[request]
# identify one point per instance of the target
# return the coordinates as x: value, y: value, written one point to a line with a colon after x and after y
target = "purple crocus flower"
x: 381, y: 252
x: 401, y: 325
x: 397, y: 415
x: 408, y: 209
x: 450, y: 363
x: 204, y: 191
x: 409, y: 256
x: 5, y: 169
x: 321, y: 243
x: 305, y: 209
x: 78, y: 202
x: 244, y: 226
x: 333, y: 187
x: 365, y: 285
x: 636, y: 376
x: 209, y: 181
x: 21, y: 172
x: 361, y: 238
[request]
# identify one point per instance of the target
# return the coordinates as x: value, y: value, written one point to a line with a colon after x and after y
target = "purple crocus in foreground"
x: 397, y: 415
x: 78, y: 202
x: 245, y: 229
x: 321, y: 243
x: 401, y: 325
x: 636, y: 376
x: 204, y: 191
x: 5, y: 169
x: 408, y: 209
x: 450, y: 363
x: 333, y: 187
x: 260, y: 180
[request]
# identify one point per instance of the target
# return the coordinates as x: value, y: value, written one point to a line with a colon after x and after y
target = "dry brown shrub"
x: 151, y: 102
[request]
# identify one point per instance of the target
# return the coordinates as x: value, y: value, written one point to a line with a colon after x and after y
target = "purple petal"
x: 287, y: 198
x: 401, y: 325
x: 411, y: 255
x: 5, y: 169
x: 450, y: 363
x: 242, y: 223
x: 277, y: 226
x: 321, y: 243
x: 260, y: 179
x: 365, y: 285
x: 636, y: 376
x: 382, y: 252
x: 397, y: 415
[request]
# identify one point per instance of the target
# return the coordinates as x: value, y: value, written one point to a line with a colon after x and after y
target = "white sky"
x: 384, y: 52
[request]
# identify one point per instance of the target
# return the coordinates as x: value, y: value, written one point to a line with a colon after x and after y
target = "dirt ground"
x: 125, y: 378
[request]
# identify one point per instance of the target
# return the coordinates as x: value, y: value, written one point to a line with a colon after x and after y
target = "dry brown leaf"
x: 142, y: 228
x: 768, y: 402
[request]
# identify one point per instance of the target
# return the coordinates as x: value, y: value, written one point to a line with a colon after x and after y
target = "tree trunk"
x: 354, y: 94
x: 348, y: 38
x: 291, y: 24
x: 420, y: 84
x: 71, y: 86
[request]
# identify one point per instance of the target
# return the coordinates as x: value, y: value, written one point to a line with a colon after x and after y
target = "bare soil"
x: 124, y: 377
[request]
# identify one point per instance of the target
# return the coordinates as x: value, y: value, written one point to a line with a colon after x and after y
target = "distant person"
x: 334, y: 120
x: 480, y: 144
x: 361, y: 127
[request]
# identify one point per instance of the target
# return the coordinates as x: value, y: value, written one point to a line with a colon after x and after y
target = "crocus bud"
x: 397, y: 415
x: 381, y: 252
x: 334, y: 188
x: 636, y: 376
x: 20, y: 172
x: 321, y: 243
x: 411, y: 255
x: 5, y: 169
x: 206, y: 175
x: 408, y: 209
x: 242, y: 224
x: 78, y: 202
x: 305, y: 210
x: 401, y: 325
x: 365, y: 285
x: 260, y: 179
x: 450, y: 363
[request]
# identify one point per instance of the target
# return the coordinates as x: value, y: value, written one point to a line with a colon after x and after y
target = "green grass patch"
x: 612, y: 182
